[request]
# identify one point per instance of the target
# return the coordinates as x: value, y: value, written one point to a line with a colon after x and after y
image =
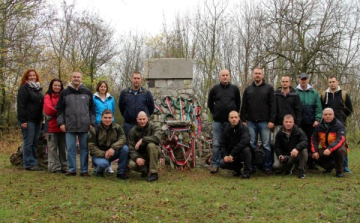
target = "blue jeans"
x: 218, y: 129
x: 70, y: 138
x: 256, y: 128
x: 127, y: 128
x: 30, y: 140
x: 122, y: 154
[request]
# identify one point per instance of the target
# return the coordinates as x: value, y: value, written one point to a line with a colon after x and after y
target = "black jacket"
x: 334, y: 100
x: 234, y: 140
x: 29, y: 104
x: 258, y: 103
x: 76, y: 109
x: 289, y: 104
x: 222, y: 100
x: 284, y: 145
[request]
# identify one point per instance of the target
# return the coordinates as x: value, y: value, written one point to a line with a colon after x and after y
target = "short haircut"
x: 286, y: 76
x: 106, y: 112
x: 223, y: 70
x: 136, y: 72
x: 329, y: 109
x: 288, y: 116
x: 235, y: 112
x: 100, y: 83
x: 332, y: 76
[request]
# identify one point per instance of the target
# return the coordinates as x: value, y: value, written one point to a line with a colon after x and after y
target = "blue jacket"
x: 132, y: 102
x: 100, y: 106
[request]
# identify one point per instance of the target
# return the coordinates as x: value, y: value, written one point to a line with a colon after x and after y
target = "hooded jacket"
x: 289, y: 104
x: 234, y: 140
x: 100, y: 106
x: 311, y: 105
x: 334, y: 100
x: 258, y: 103
x: 222, y: 100
x: 50, y: 112
x: 29, y: 104
x: 284, y: 144
x: 328, y: 136
x: 75, y: 109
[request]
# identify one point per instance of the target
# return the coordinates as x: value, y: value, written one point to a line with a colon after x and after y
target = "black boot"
x: 152, y: 177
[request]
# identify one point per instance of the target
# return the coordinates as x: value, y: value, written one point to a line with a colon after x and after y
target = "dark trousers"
x: 236, y: 165
x: 308, y: 130
x: 336, y: 156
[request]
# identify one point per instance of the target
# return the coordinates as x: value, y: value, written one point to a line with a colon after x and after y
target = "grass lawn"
x: 179, y: 196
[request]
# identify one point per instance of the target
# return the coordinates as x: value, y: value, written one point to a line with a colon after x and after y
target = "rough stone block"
x: 169, y: 68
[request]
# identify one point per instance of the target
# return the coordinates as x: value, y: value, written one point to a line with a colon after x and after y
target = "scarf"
x: 34, y: 85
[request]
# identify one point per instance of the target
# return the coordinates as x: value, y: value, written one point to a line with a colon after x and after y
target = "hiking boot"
x: 34, y: 168
x: 153, y: 177
x: 214, y: 169
x: 245, y: 176
x: 301, y: 174
x: 347, y: 170
x: 85, y: 174
x: 122, y: 176
x: 68, y: 173
x: 109, y: 170
x: 339, y: 174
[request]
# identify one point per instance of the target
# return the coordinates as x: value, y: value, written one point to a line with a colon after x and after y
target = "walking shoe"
x: 98, y: 174
x: 109, y: 170
x: 347, y: 170
x: 68, y: 173
x: 245, y: 176
x: 152, y: 177
x: 339, y: 174
x: 85, y: 174
x: 214, y: 169
x: 122, y: 176
x: 34, y: 168
x: 301, y: 174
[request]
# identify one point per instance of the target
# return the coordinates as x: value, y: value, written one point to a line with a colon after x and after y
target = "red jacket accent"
x: 50, y: 112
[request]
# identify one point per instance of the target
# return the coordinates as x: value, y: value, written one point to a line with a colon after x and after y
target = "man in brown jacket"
x: 144, y: 139
x: 106, y: 144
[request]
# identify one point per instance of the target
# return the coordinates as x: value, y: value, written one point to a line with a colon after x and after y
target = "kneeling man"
x: 291, y: 147
x: 106, y: 144
x: 328, y: 143
x: 144, y: 139
x: 235, y: 147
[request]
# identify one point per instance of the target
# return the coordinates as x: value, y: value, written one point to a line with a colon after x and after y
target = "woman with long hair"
x: 55, y: 137
x: 103, y: 100
x: 30, y: 101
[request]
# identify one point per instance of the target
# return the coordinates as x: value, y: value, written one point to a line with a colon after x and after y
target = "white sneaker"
x: 109, y: 170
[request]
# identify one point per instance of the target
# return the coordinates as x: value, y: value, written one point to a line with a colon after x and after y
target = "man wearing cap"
x: 311, y: 111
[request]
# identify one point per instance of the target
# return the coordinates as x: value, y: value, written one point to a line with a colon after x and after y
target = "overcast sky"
x: 136, y: 15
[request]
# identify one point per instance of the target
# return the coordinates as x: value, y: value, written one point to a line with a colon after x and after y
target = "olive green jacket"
x: 149, y: 134
x: 105, y: 139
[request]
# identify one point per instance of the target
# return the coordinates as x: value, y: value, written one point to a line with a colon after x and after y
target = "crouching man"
x: 291, y: 147
x: 328, y: 143
x: 106, y: 144
x: 144, y: 139
x: 235, y: 147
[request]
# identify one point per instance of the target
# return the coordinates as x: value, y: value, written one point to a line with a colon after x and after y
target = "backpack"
x: 343, y: 96
x: 16, y: 158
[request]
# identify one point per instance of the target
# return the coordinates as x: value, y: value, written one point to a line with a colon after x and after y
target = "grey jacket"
x: 76, y: 109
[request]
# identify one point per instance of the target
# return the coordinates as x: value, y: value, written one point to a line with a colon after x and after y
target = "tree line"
x: 320, y: 38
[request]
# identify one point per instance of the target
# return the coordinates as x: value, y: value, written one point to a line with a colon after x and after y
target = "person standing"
x: 134, y: 99
x: 103, y: 100
x: 76, y: 116
x: 223, y: 98
x: 311, y: 111
x: 55, y: 137
x: 258, y: 112
x: 340, y: 102
x: 30, y: 101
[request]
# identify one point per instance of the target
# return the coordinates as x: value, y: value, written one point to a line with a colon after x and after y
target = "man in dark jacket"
x: 258, y: 112
x: 235, y: 147
x: 106, y: 144
x: 134, y: 99
x: 223, y: 98
x: 340, y: 102
x: 144, y: 140
x: 76, y: 116
x: 290, y: 147
x: 328, y: 143
x: 311, y: 111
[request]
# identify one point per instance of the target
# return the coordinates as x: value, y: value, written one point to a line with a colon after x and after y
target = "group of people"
x: 73, y: 115
x: 296, y: 126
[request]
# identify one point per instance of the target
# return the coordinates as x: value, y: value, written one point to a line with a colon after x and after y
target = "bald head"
x: 142, y: 119
x: 224, y: 77
x: 234, y: 118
